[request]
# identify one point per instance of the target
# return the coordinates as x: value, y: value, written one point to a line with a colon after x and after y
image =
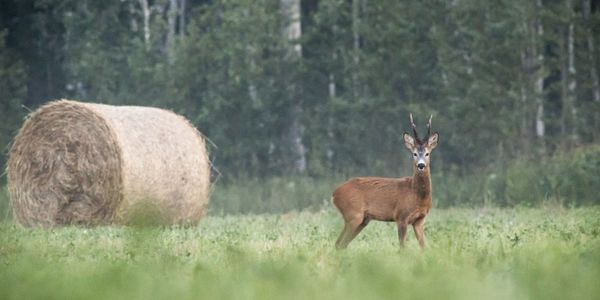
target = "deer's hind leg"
x: 352, y: 228
x: 402, y: 228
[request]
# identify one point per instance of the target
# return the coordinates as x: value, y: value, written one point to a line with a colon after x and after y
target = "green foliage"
x: 458, y: 190
x: 570, y: 178
x: 108, y: 62
x: 236, y: 91
x: 12, y: 92
x: 364, y: 66
x: 472, y: 254
x: 526, y: 184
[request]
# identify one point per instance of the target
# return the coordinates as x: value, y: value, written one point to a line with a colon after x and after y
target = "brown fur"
x: 405, y: 201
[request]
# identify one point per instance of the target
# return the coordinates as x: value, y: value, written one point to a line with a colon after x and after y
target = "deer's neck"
x: 422, y: 184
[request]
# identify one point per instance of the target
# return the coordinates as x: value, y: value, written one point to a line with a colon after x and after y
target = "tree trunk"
x: 295, y: 137
x: 146, y: 14
x: 182, y: 18
x: 332, y: 89
x: 587, y: 9
x: 564, y: 85
x: 171, y: 23
x: 525, y: 107
x: 567, y: 71
x: 252, y: 92
x: 133, y: 22
x: 571, y: 108
x: 356, y: 46
x: 332, y: 94
x: 532, y: 86
x: 332, y: 85
x: 538, y: 51
x: 293, y: 32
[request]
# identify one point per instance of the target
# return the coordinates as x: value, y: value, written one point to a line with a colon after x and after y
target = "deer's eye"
x: 426, y: 154
x: 415, y: 154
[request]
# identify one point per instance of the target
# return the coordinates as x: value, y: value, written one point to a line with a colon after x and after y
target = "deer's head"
x: 420, y: 149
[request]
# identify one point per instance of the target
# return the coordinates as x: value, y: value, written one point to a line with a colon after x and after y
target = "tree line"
x: 320, y: 86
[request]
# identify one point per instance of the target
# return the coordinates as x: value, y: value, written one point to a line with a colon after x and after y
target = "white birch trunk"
x: 329, y: 152
x: 540, y: 126
x: 591, y: 50
x: 171, y: 24
x: 252, y: 92
x: 146, y: 15
x: 133, y: 21
x: 332, y: 85
x: 564, y: 85
x: 571, y: 51
x: 526, y: 110
x: 182, y: 18
x: 332, y: 88
x: 295, y: 134
x: 293, y: 32
x: 356, y: 46
x: 571, y: 75
x: 569, y: 124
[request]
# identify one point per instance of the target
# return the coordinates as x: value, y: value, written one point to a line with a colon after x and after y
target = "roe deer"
x: 405, y: 201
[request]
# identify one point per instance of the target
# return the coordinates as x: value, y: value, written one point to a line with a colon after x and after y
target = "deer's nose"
x: 421, y: 166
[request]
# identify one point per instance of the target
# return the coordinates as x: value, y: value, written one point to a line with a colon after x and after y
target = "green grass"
x: 547, y: 253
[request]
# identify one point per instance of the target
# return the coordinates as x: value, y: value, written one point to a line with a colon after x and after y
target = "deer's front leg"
x: 418, y: 226
x: 402, y: 232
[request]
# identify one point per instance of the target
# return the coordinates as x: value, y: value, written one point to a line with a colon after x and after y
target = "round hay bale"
x: 92, y: 164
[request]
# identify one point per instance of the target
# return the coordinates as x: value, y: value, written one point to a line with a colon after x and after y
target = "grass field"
x: 547, y: 253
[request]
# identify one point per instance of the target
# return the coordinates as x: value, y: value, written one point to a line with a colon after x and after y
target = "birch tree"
x: 182, y: 12
x: 146, y: 16
x: 293, y: 32
x: 172, y: 13
x: 532, y: 88
x: 355, y: 46
x: 570, y: 108
x: 587, y: 8
x: 538, y: 53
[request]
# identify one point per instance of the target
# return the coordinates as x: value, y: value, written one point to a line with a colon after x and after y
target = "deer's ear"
x: 409, y: 142
x: 433, y: 141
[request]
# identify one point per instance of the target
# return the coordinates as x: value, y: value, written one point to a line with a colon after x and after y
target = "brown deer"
x: 405, y: 201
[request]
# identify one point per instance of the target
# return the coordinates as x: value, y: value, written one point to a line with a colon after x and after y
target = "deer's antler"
x: 428, y: 128
x: 414, y: 128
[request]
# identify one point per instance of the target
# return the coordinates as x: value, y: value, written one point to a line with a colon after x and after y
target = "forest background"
x: 296, y: 96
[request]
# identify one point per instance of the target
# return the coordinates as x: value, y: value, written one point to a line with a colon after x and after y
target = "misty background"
x: 298, y: 95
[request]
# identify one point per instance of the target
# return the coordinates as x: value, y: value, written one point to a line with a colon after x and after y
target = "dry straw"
x: 92, y: 164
